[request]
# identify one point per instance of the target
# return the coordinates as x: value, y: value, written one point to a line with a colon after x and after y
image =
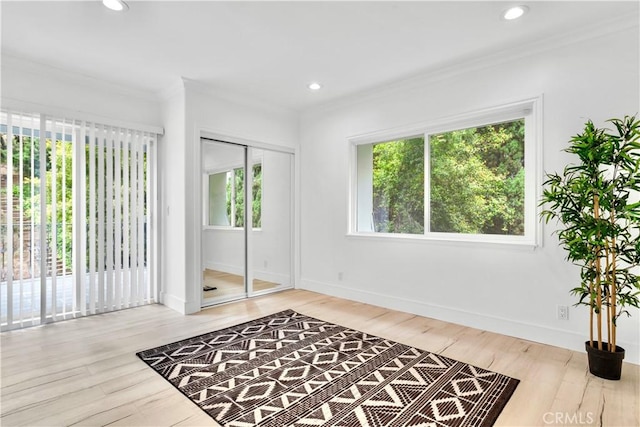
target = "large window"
x: 458, y: 180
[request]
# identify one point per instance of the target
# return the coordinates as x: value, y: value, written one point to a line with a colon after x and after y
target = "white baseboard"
x: 532, y: 332
x: 178, y: 304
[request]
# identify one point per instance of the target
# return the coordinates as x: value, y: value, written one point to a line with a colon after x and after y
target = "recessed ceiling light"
x: 514, y: 12
x: 314, y: 86
x: 117, y: 5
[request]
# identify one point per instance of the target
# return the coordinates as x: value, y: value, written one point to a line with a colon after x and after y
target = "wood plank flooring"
x: 84, y: 372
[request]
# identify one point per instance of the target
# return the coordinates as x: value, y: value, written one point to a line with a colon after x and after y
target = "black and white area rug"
x: 288, y: 369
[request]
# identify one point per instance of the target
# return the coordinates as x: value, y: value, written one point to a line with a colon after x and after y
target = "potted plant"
x: 597, y: 202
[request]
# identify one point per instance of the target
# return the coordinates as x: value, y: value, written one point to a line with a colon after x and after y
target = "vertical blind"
x: 76, y: 206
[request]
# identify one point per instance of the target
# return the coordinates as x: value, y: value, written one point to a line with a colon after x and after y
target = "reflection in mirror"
x: 218, y: 183
x: 225, y: 195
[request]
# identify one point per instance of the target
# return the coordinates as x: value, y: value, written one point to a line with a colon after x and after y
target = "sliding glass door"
x: 247, y: 221
x: 76, y: 202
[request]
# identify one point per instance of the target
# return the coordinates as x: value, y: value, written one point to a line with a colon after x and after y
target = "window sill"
x: 457, y: 240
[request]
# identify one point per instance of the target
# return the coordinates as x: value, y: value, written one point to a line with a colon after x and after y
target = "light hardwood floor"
x: 84, y: 372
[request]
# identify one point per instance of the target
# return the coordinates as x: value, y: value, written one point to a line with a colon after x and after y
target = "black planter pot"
x: 603, y: 363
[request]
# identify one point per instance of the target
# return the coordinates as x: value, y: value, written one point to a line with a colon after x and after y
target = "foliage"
x: 238, y: 196
x: 64, y: 198
x: 398, y: 186
x: 257, y: 195
x: 597, y: 202
x: 476, y: 182
x: 26, y: 158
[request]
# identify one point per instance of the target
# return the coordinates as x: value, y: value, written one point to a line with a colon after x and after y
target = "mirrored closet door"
x: 223, y: 234
x: 247, y: 233
x: 271, y: 237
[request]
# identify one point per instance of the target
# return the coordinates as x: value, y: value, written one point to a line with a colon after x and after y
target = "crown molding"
x: 25, y: 65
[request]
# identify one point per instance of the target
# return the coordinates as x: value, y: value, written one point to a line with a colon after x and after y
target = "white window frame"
x: 529, y: 109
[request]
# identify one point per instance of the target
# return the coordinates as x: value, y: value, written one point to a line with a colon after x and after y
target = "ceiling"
x: 272, y: 50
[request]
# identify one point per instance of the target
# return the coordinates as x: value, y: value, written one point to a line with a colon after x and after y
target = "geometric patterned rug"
x: 288, y: 369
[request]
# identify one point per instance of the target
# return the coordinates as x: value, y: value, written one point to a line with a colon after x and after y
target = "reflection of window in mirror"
x: 218, y: 183
x: 226, y: 197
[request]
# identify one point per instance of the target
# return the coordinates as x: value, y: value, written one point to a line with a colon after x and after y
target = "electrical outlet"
x: 340, y: 275
x: 563, y: 312
x: 265, y: 263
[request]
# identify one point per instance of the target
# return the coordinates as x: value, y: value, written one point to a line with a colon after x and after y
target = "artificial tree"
x: 597, y: 201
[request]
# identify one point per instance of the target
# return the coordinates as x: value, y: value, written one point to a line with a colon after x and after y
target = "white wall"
x: 171, y: 181
x: 501, y: 288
